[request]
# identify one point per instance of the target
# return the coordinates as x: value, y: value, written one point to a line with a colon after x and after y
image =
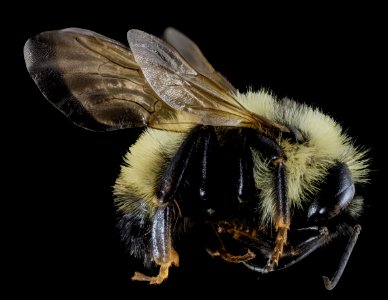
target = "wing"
x: 96, y: 82
x: 200, y: 92
x: 193, y: 55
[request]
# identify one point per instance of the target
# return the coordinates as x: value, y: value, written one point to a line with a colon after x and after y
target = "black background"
x: 61, y: 220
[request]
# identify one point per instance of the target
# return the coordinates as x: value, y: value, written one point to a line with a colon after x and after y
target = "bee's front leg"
x: 282, y: 218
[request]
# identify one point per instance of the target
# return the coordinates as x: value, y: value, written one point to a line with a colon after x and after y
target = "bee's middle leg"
x: 216, y: 246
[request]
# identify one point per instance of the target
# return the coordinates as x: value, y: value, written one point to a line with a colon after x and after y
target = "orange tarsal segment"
x: 163, y: 271
x: 282, y: 228
x: 232, y: 258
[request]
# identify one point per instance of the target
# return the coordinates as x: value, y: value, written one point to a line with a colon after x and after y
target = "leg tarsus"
x: 163, y: 252
x: 163, y: 274
x: 218, y: 248
x: 163, y: 271
x: 225, y: 255
x: 281, y: 241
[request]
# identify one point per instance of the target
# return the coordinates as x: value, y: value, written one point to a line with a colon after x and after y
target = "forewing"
x: 184, y: 88
x: 193, y: 55
x: 95, y: 81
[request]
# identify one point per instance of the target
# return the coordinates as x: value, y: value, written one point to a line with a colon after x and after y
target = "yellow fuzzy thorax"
x: 306, y: 163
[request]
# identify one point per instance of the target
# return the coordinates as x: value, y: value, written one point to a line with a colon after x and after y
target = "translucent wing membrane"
x: 193, y: 55
x: 184, y: 88
x: 93, y: 80
x: 101, y: 84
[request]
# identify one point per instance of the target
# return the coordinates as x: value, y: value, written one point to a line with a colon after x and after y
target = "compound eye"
x: 335, y: 194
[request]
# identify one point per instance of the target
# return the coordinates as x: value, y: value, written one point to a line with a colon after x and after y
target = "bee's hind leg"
x: 167, y: 210
x: 162, y: 250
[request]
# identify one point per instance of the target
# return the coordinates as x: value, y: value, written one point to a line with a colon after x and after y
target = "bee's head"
x: 335, y: 195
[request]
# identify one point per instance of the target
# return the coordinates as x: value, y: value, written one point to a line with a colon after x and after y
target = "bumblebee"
x: 265, y: 181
